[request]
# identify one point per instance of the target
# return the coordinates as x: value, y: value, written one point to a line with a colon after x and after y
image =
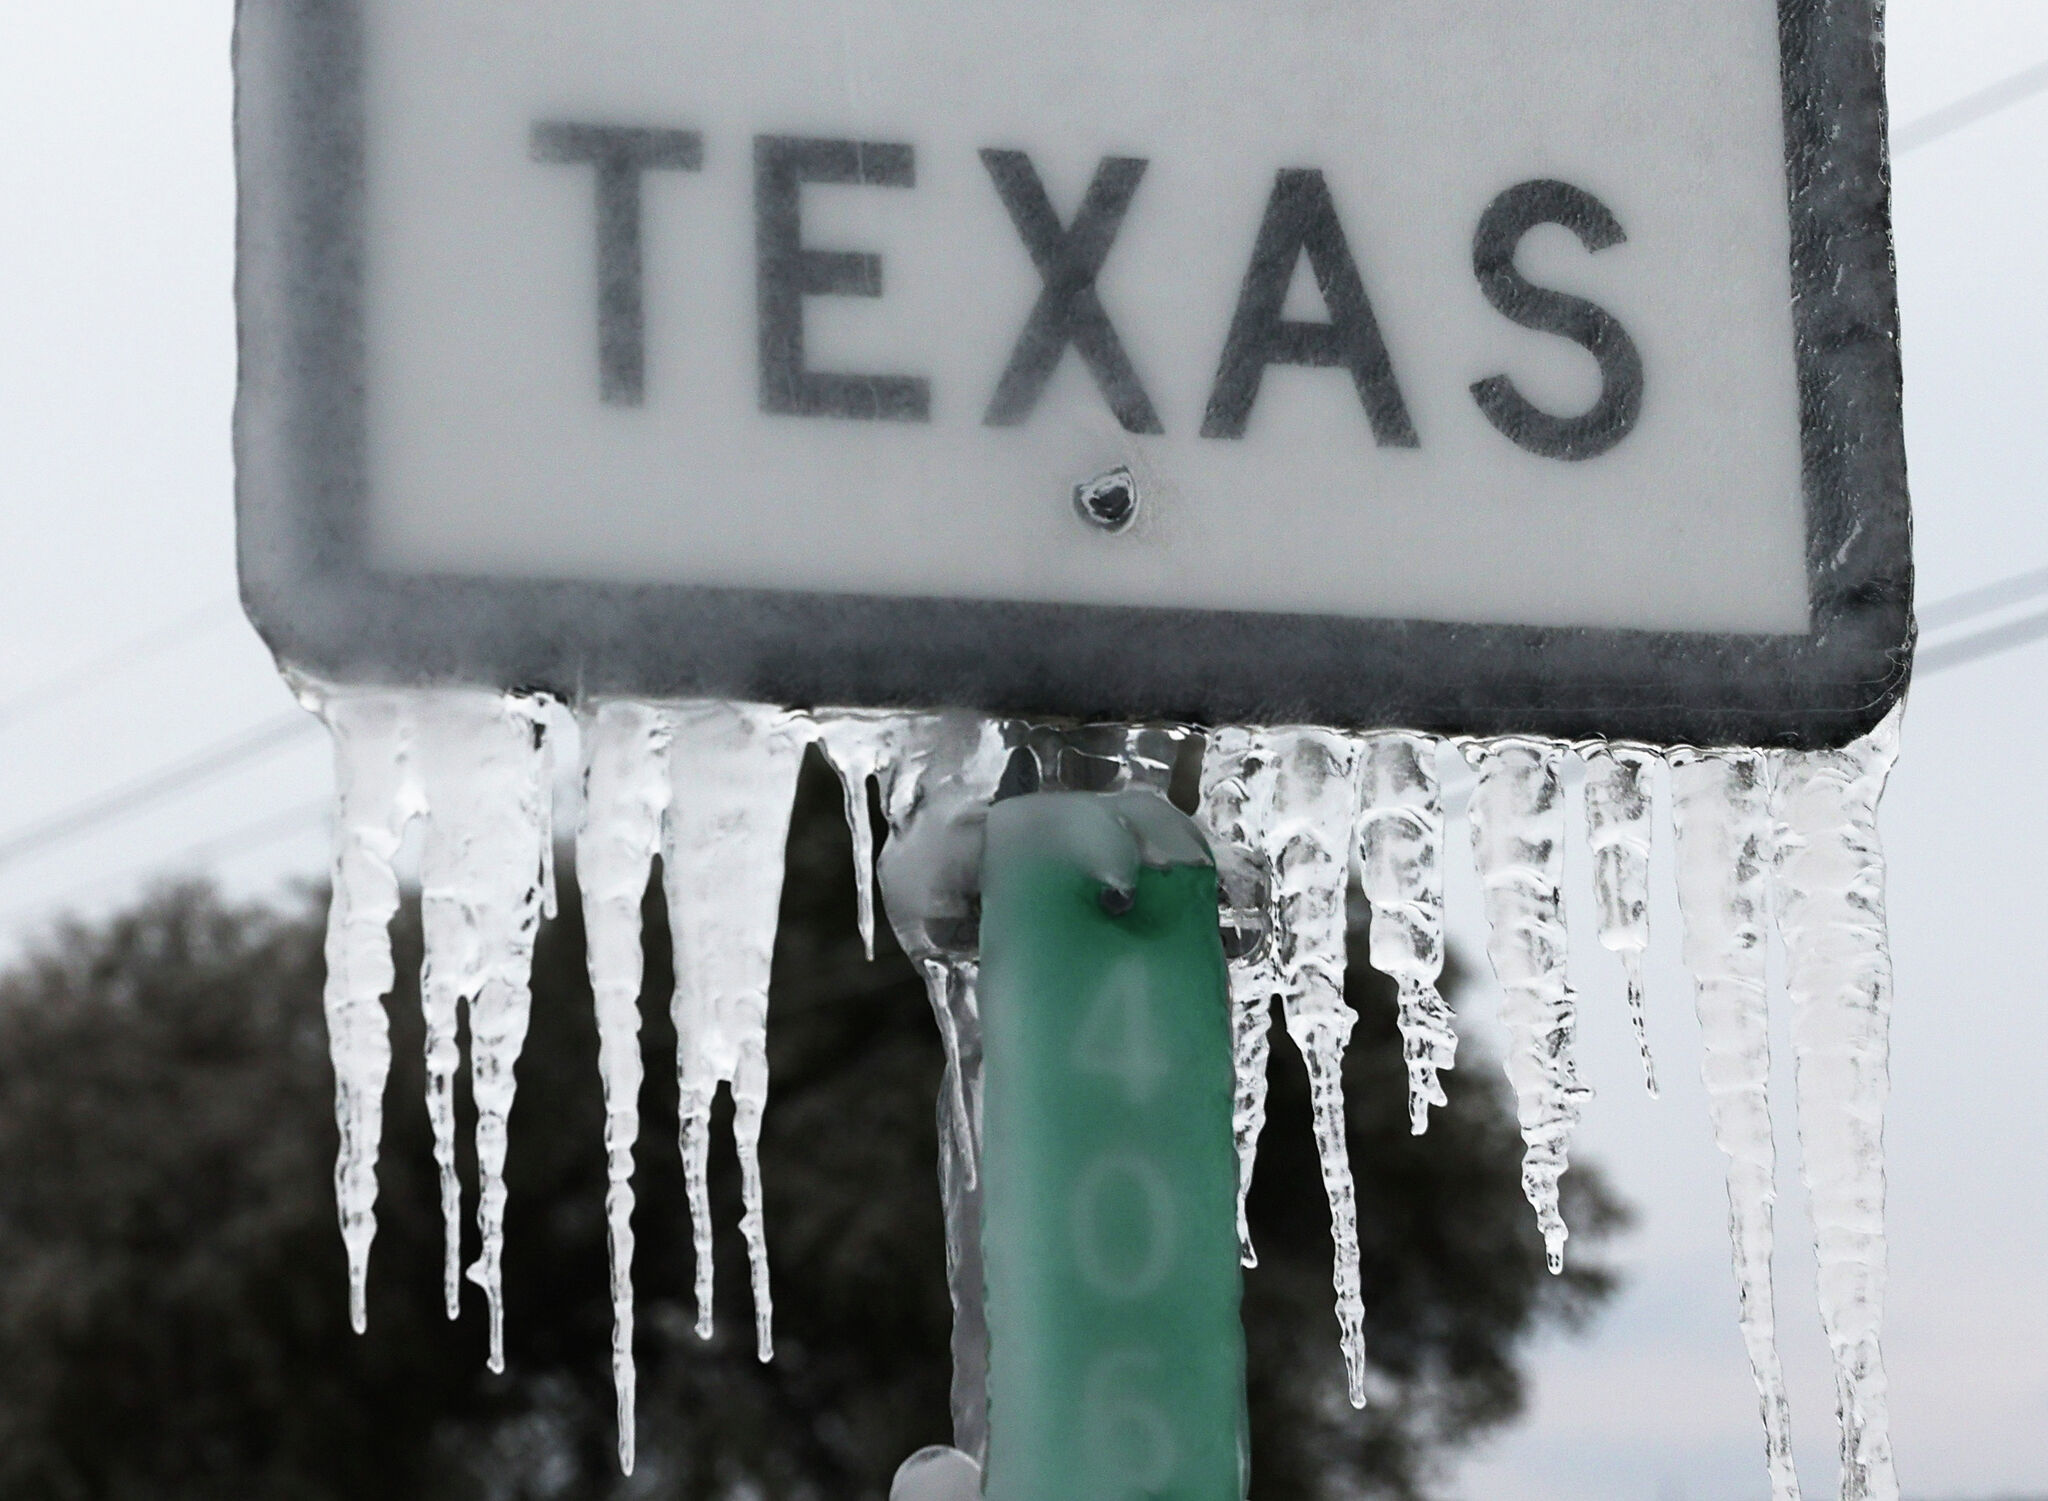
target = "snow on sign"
x: 1474, y: 366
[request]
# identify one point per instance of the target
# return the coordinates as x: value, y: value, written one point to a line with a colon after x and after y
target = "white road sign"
x: 1459, y: 363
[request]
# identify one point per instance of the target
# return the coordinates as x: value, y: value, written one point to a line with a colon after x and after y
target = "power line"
x: 60, y: 686
x: 190, y: 772
x: 1968, y: 110
x: 248, y: 836
x: 1957, y: 608
x: 1980, y: 644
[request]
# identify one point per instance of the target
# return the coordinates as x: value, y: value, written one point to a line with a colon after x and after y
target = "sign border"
x: 301, y: 483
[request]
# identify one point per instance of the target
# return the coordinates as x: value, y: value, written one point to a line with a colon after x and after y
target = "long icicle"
x: 734, y: 770
x: 1315, y: 805
x: 1618, y: 832
x: 626, y: 795
x: 1720, y: 808
x: 1227, y: 814
x: 484, y: 770
x: 860, y: 746
x: 1300, y: 806
x: 1400, y: 863
x: 1838, y: 972
x: 936, y: 783
x: 1517, y: 819
x: 376, y: 797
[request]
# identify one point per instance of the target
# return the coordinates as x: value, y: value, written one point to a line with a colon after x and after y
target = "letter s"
x: 1613, y: 417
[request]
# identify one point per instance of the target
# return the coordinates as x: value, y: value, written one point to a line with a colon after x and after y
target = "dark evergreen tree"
x: 172, y: 1304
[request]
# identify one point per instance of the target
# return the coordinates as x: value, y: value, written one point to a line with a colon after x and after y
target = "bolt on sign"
x: 1460, y: 364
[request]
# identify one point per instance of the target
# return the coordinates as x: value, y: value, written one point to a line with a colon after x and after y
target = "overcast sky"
x: 126, y: 661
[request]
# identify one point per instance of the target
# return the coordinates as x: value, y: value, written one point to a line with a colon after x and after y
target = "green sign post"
x: 1116, y: 1358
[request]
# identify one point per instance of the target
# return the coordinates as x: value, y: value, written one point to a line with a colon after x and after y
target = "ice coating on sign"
x: 626, y: 796
x: 484, y: 768
x: 711, y: 786
x: 1227, y: 813
x: 1829, y: 892
x: 1296, y: 814
x: 1618, y: 830
x: 1517, y: 817
x: 1721, y: 815
x: 376, y: 795
x: 733, y: 769
x: 1400, y: 866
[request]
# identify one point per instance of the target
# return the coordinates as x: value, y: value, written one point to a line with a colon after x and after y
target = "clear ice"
x: 1783, y: 836
x: 1233, y: 820
x: 1829, y: 896
x: 861, y: 747
x: 733, y: 770
x: 1618, y: 831
x: 626, y: 795
x: 475, y: 766
x: 1721, y: 814
x: 376, y: 796
x: 488, y: 782
x: 1295, y: 813
x: 1517, y: 818
x: 935, y: 790
x: 1400, y: 867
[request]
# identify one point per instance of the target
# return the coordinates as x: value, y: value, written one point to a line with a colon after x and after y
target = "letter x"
x: 1068, y: 311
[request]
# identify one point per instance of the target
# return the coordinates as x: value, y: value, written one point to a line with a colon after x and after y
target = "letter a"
x: 1300, y: 217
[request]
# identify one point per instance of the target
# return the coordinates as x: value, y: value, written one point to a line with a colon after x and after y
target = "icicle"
x: 1254, y: 978
x: 734, y: 769
x: 626, y: 794
x: 1830, y: 908
x: 860, y: 745
x: 1517, y: 818
x: 951, y: 986
x: 1618, y: 832
x: 377, y: 797
x: 1720, y: 809
x: 1400, y: 862
x: 484, y: 767
x: 1297, y: 813
x: 936, y: 788
x: 935, y: 793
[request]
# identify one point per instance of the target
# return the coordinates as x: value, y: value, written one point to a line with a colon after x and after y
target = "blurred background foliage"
x: 173, y: 1312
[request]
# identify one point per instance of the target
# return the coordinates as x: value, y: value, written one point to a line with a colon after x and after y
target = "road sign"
x: 1459, y: 364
